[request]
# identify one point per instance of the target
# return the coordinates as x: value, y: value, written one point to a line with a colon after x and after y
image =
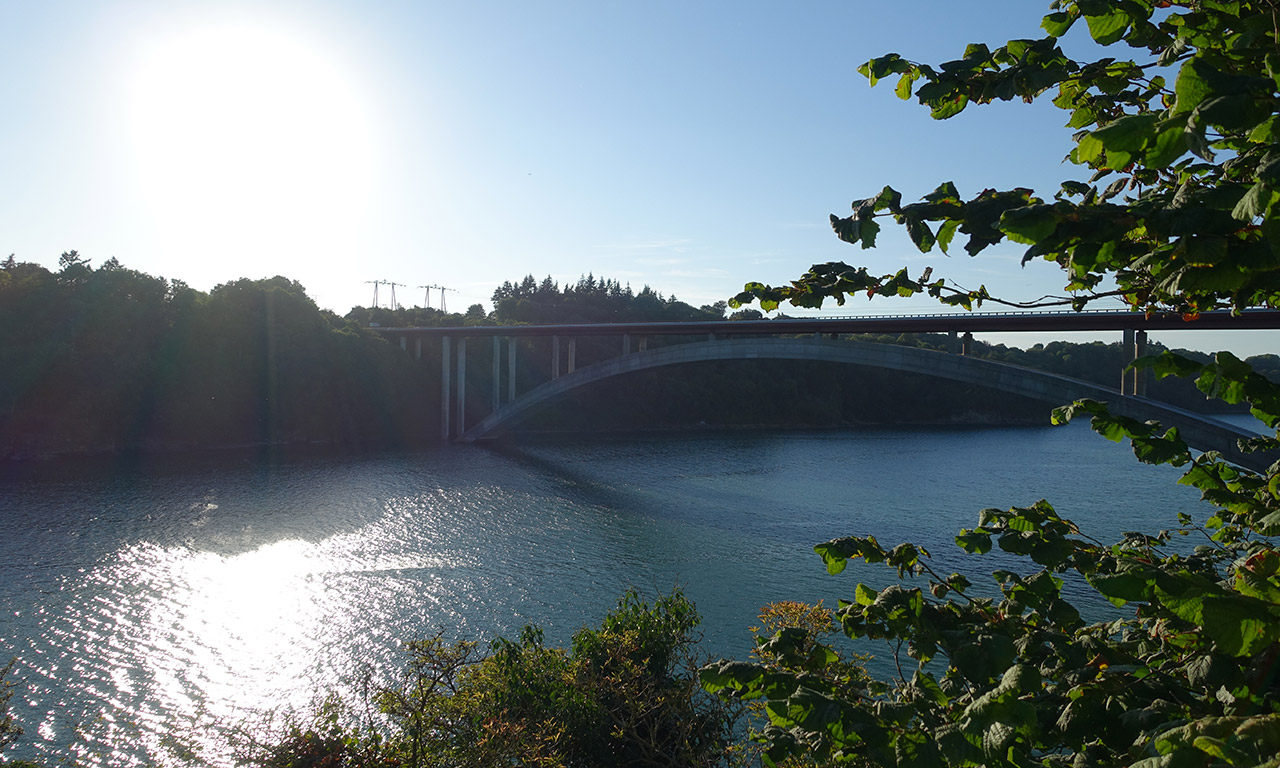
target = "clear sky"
x: 691, y: 147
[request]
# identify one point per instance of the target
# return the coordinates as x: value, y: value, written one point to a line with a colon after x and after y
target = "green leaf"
x: 1089, y: 149
x: 1129, y: 133
x: 946, y: 232
x: 1029, y: 224
x: 948, y: 106
x: 920, y: 233
x: 864, y: 595
x: 1164, y: 449
x: 1221, y: 750
x: 1056, y: 24
x: 1266, y: 132
x: 983, y: 656
x: 1192, y: 87
x: 1170, y: 144
x: 1255, y: 202
x: 883, y: 66
x: 974, y: 542
x: 926, y: 683
x: 1122, y: 587
x: 1169, y: 364
x: 1108, y: 28
x: 903, y: 90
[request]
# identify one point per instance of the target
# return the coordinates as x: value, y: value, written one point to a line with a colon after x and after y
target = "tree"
x: 1188, y: 141
x: 625, y: 694
x: 9, y: 730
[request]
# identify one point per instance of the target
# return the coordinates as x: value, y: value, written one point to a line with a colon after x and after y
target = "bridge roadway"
x: 971, y: 322
x: 1198, y: 431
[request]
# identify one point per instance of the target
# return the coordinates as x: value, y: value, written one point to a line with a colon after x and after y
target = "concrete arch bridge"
x: 786, y: 343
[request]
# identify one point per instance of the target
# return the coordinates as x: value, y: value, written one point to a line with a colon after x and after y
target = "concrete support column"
x: 573, y: 353
x: 644, y: 343
x: 817, y: 335
x: 404, y: 343
x: 1126, y: 375
x: 953, y: 342
x: 555, y: 357
x: 511, y: 369
x: 1140, y: 376
x: 626, y: 343
x: 497, y: 373
x: 462, y: 385
x: 966, y: 343
x: 444, y: 388
x: 417, y: 348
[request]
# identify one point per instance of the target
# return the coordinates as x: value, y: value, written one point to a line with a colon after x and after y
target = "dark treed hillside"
x: 108, y: 359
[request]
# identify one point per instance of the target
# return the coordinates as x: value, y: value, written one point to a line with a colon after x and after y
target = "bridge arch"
x: 1200, y: 432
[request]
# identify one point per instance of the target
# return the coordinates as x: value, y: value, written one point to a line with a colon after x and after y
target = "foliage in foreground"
x: 1188, y: 222
x: 9, y: 729
x: 1190, y: 678
x: 625, y: 693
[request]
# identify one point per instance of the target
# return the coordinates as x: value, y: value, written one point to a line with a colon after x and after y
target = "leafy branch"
x: 1188, y: 223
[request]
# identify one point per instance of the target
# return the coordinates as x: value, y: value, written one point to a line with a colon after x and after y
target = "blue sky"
x: 689, y: 147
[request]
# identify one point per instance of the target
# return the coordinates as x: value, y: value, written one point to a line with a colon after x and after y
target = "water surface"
x: 152, y: 606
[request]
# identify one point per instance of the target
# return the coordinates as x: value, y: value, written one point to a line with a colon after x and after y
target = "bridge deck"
x: 972, y: 322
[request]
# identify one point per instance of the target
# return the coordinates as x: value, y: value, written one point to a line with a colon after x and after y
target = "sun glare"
x: 249, y: 142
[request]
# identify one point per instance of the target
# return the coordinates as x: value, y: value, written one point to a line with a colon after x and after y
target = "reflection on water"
x: 153, y: 607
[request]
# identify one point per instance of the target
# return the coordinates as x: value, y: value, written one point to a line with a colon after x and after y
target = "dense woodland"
x: 107, y: 359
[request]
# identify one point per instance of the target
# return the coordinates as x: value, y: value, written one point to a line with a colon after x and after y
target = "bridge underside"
x: 1200, y: 432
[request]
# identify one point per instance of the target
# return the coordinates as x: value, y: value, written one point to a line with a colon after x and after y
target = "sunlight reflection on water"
x: 156, y: 632
x: 152, y: 611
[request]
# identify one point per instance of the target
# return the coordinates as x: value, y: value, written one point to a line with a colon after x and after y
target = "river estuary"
x: 150, y: 608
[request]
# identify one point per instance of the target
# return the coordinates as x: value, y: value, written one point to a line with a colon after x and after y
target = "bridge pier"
x: 1132, y: 380
x: 573, y: 353
x: 462, y: 385
x: 1141, y: 375
x: 511, y: 369
x: 626, y: 343
x: 444, y: 388
x: 555, y: 357
x: 966, y: 344
x: 497, y: 372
